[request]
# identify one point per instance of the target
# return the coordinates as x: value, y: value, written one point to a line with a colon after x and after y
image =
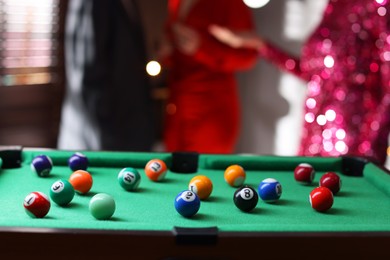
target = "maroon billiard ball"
x: 321, y: 199
x: 331, y: 181
x: 304, y: 173
x: 36, y: 204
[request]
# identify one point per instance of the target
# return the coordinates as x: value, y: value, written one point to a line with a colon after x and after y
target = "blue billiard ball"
x: 78, y: 161
x: 42, y: 165
x: 187, y: 203
x: 270, y: 190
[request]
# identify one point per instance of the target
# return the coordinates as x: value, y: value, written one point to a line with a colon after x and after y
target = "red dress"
x: 346, y: 62
x: 203, y: 110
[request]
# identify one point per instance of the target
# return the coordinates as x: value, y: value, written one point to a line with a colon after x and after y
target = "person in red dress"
x: 203, y: 109
x: 346, y: 62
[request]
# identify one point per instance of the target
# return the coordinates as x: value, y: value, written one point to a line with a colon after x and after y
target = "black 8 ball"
x: 245, y: 198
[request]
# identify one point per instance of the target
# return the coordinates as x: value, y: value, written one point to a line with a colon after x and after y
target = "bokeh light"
x: 256, y: 3
x: 153, y: 68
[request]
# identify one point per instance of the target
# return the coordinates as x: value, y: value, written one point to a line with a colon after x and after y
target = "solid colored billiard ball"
x: 42, y: 165
x: 187, y: 203
x: 235, y: 175
x: 332, y: 181
x: 78, y: 161
x: 270, y: 190
x: 36, y: 204
x: 201, y: 185
x: 304, y: 173
x: 62, y: 192
x: 129, y: 178
x: 81, y: 181
x: 321, y: 199
x: 245, y: 198
x: 102, y: 206
x: 156, y: 169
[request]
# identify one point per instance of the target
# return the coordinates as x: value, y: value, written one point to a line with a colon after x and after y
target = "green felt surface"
x: 363, y: 203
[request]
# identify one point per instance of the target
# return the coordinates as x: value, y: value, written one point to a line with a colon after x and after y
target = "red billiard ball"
x: 201, y: 185
x: 36, y: 204
x: 331, y: 181
x: 156, y: 169
x: 81, y: 181
x: 321, y: 199
x: 304, y: 173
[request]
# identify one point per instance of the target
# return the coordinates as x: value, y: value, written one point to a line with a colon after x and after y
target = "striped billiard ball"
x: 270, y: 190
x: 42, y: 165
x: 78, y: 161
x: 129, y: 178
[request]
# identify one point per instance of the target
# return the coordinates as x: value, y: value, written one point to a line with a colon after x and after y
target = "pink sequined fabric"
x: 346, y: 63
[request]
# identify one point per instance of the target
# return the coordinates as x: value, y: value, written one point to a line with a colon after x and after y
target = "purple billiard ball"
x: 42, y: 165
x: 78, y: 161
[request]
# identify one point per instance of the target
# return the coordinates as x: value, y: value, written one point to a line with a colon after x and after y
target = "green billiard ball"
x: 102, y: 206
x: 129, y: 178
x: 62, y: 192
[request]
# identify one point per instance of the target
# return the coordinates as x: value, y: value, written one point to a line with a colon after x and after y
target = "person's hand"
x: 236, y: 39
x: 187, y: 40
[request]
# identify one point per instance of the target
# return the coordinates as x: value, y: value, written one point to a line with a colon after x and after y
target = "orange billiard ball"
x: 201, y: 185
x: 81, y: 181
x: 156, y: 169
x: 235, y: 175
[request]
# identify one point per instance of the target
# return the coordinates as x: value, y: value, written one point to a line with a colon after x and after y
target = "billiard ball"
x: 201, y: 185
x: 129, y: 178
x: 78, y: 161
x: 62, y: 192
x: 332, y: 181
x: 42, y: 165
x: 156, y: 169
x: 235, y: 175
x: 245, y: 198
x: 321, y: 199
x: 102, y: 206
x: 304, y: 173
x: 36, y: 204
x: 81, y: 181
x: 187, y: 203
x: 270, y: 190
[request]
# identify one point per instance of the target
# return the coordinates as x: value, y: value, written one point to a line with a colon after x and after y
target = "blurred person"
x: 346, y: 62
x: 108, y: 104
x: 203, y: 110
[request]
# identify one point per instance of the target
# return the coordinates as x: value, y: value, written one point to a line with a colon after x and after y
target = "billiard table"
x: 145, y: 224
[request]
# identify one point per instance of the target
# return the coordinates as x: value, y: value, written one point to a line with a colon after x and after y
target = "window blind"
x: 28, y: 42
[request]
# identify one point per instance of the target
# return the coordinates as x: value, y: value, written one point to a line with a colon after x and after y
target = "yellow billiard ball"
x: 202, y: 186
x: 235, y: 175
